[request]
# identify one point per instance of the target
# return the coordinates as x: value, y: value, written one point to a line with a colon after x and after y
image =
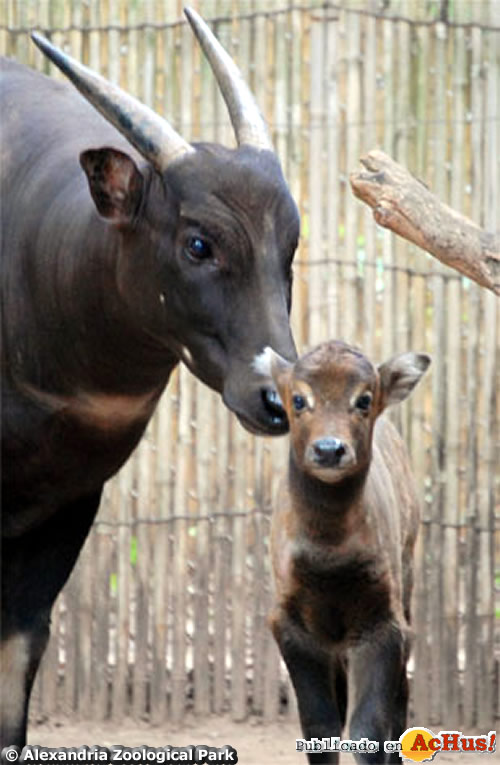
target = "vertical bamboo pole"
x: 84, y: 630
x: 419, y: 457
x: 147, y: 61
x: 48, y: 675
x: 439, y: 157
x: 280, y: 83
x: 132, y: 76
x: 103, y: 38
x: 119, y: 706
x: 272, y: 660
x: 451, y: 516
x: 290, y: 63
x: 388, y: 298
x: 102, y: 551
x: 5, y: 35
x: 204, y: 457
x: 316, y: 281
x: 177, y: 452
x: 161, y: 562
x: 402, y: 118
x: 221, y: 558
x: 70, y: 602
x: 167, y: 79
x: 180, y: 533
x: 332, y: 197
x: 260, y: 574
x: 113, y: 38
x: 238, y: 581
x: 23, y: 43
x: 350, y: 313
x: 369, y: 115
x: 305, y: 254
x: 75, y: 36
x: 296, y: 164
x: 145, y: 505
x: 13, y: 22
x: 470, y: 685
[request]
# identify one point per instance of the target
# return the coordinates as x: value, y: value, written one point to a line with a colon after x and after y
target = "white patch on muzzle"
x: 186, y: 356
x: 262, y: 362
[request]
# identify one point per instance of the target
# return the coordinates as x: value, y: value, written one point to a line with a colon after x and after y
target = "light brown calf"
x: 342, y: 543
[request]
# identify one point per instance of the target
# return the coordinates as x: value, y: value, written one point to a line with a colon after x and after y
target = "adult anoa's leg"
x: 310, y: 670
x: 35, y: 567
x: 377, y: 665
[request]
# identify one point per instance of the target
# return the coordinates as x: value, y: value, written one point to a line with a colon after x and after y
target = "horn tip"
x: 193, y: 17
x: 42, y: 42
x: 37, y: 38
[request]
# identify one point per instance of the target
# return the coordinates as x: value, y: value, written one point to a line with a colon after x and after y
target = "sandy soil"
x: 256, y: 744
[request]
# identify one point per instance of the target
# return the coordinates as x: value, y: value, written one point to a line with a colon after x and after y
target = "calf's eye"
x: 299, y: 402
x: 198, y: 249
x: 363, y: 402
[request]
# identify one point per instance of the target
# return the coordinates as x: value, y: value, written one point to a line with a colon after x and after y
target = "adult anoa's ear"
x: 399, y: 375
x: 115, y: 183
x: 271, y: 364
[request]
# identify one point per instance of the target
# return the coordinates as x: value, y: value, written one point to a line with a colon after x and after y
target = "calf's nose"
x: 328, y: 451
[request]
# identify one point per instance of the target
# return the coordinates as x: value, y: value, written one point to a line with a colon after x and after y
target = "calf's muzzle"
x: 328, y: 452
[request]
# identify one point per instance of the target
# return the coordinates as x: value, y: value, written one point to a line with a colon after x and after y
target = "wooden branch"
x: 403, y: 204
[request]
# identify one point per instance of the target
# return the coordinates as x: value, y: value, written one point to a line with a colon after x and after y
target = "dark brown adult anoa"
x: 342, y: 543
x: 124, y: 251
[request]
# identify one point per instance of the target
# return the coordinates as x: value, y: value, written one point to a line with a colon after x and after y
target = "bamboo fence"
x: 166, y: 610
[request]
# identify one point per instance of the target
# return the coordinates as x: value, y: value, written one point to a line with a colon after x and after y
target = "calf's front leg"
x: 380, y: 690
x: 309, y: 668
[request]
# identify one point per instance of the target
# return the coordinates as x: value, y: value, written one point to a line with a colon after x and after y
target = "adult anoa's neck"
x: 77, y: 330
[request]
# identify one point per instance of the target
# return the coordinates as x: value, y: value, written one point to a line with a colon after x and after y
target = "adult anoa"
x: 124, y: 250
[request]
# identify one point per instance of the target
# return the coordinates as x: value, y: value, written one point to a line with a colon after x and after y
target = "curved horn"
x: 150, y: 134
x: 247, y: 120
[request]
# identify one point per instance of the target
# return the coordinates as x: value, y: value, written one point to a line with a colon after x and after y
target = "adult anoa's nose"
x: 328, y: 451
x: 274, y: 407
x: 258, y: 408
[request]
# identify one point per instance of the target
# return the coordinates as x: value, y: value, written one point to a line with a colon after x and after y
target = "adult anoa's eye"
x: 198, y: 249
x: 363, y: 402
x: 299, y: 402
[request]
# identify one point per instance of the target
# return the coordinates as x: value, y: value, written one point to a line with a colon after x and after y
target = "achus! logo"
x: 421, y: 744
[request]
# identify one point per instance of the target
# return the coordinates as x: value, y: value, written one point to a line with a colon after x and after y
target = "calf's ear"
x: 399, y: 375
x: 115, y: 183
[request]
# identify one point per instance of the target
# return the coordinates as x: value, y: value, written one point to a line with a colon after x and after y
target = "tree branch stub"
x: 403, y: 204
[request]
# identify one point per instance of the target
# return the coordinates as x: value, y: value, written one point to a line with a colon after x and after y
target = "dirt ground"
x: 255, y: 744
